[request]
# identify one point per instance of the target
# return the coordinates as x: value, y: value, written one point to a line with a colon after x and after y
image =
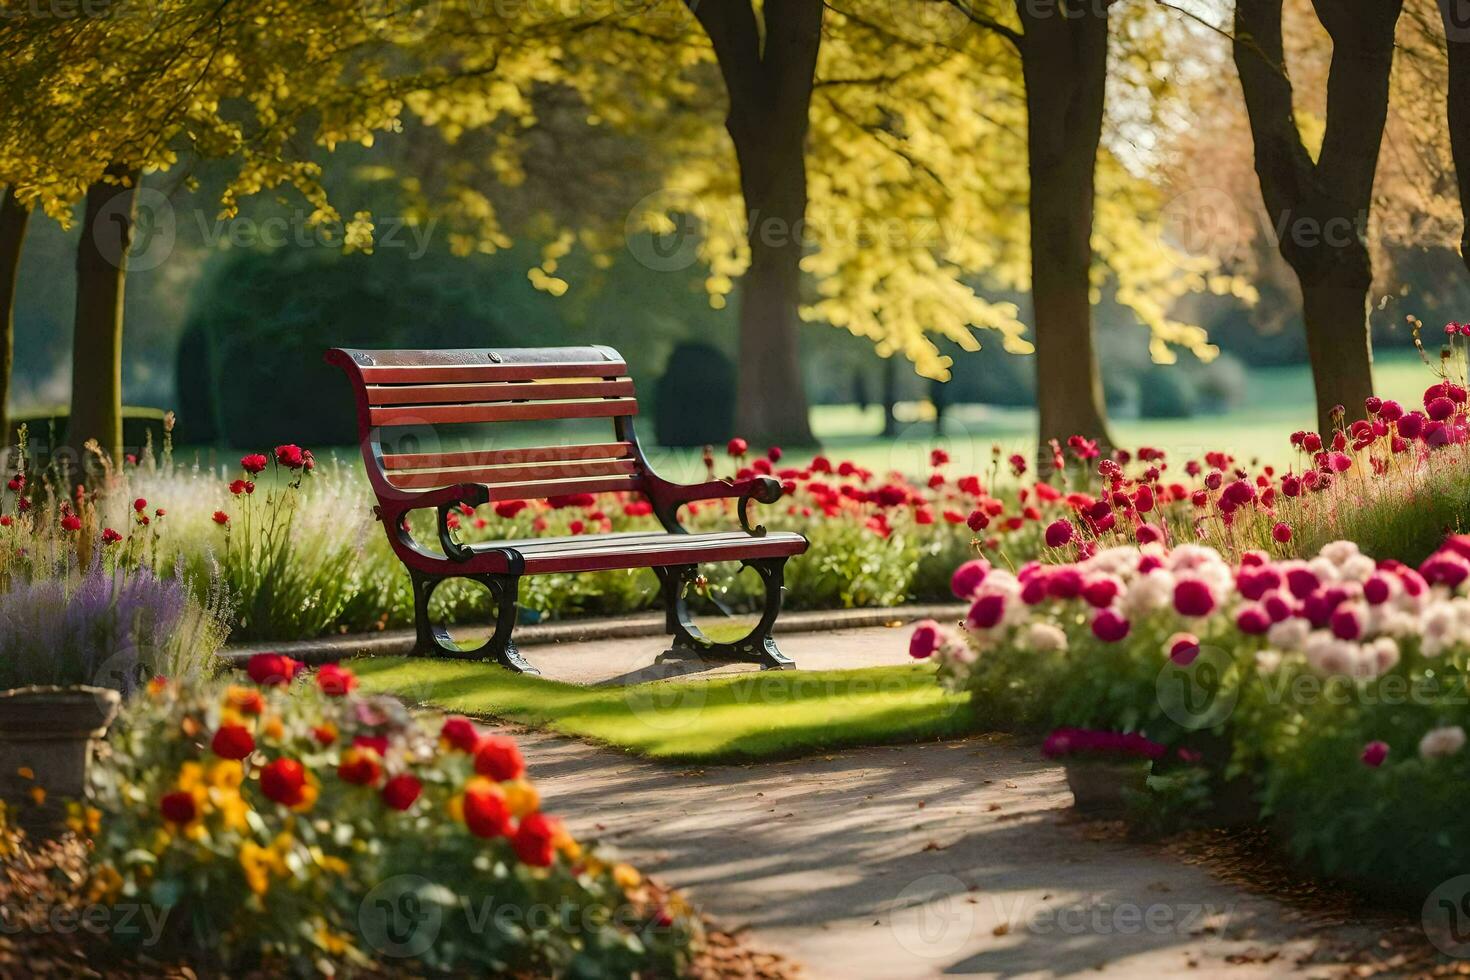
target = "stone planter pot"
x: 47, y: 736
x: 1098, y: 785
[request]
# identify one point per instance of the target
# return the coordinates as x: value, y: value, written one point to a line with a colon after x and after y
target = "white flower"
x: 1148, y: 593
x: 1328, y: 655
x: 1339, y: 552
x: 1385, y: 653
x: 1289, y: 634
x: 1045, y: 638
x: 1267, y: 661
x: 1358, y: 568
x: 1324, y: 569
x: 1439, y: 742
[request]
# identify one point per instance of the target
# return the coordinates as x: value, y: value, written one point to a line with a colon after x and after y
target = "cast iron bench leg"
x: 759, y: 647
x: 433, y: 640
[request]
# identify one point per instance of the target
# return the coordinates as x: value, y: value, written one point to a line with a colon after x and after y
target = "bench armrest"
x: 668, y: 497
x: 445, y: 499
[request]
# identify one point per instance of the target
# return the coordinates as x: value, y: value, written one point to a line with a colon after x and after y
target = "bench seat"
x: 641, y: 549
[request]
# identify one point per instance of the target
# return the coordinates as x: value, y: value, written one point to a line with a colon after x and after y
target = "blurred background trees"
x: 1023, y: 208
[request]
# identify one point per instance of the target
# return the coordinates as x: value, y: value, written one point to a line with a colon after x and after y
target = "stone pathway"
x: 958, y: 858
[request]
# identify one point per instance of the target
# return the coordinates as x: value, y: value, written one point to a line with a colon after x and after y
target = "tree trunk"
x: 13, y: 219
x: 1457, y: 33
x: 1320, y: 208
x: 890, y: 396
x: 1064, y: 63
x: 768, y: 77
x: 96, y: 361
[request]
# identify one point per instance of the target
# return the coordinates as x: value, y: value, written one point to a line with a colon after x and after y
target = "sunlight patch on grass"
x: 745, y: 717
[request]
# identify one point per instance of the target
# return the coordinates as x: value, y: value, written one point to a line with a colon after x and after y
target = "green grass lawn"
x: 773, y: 714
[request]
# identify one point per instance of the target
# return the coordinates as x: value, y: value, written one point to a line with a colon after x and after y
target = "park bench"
x: 415, y: 394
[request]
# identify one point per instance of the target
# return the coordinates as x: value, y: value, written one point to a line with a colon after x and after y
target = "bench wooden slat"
x: 541, y: 489
x: 494, y: 476
x: 470, y: 373
x: 498, y: 457
x: 513, y: 412
x: 674, y: 552
x: 500, y: 392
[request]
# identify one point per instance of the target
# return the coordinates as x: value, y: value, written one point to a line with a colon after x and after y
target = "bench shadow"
x: 671, y: 662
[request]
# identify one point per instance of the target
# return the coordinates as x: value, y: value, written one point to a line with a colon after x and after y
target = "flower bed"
x: 1335, y: 685
x: 291, y: 821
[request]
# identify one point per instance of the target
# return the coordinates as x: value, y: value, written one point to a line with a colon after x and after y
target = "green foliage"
x: 694, y: 401
x: 1166, y: 393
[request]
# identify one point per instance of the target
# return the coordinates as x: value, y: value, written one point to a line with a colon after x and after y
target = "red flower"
x: 460, y: 732
x: 486, y: 813
x: 400, y: 791
x: 109, y: 536
x: 737, y: 447
x: 253, y: 463
x: 1059, y: 533
x: 510, y: 508
x: 241, y: 486
x: 1374, y: 753
x: 140, y: 505
x: 1281, y: 532
x: 360, y: 766
x: 499, y: 758
x: 336, y: 681
x: 938, y: 457
x: 324, y: 734
x: 232, y: 742
x: 179, y: 807
x: 291, y: 456
x: 71, y: 522
x: 774, y: 454
x: 221, y: 518
x: 535, y: 838
x: 273, y: 669
x: 284, y: 781
x: 378, y: 743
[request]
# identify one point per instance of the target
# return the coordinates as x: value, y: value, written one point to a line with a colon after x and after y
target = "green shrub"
x: 1166, y: 392
x: 694, y: 401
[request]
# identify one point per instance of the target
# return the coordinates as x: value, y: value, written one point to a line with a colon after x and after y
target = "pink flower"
x: 986, y: 612
x: 1059, y: 533
x: 1109, y: 625
x: 1148, y: 534
x: 291, y: 456
x: 737, y: 447
x: 1193, y: 597
x: 1281, y: 532
x: 1182, y: 648
x: 925, y: 640
x: 968, y: 577
x: 1374, y: 754
x: 1253, y: 620
x: 253, y: 463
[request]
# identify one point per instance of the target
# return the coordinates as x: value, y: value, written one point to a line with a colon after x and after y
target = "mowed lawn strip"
x: 737, y: 718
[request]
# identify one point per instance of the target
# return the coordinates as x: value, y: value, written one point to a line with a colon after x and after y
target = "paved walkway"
x: 933, y: 860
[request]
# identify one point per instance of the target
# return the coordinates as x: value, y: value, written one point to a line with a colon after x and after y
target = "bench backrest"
x: 397, y: 388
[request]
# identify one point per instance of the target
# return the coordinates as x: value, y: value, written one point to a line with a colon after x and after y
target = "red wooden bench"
x: 428, y: 388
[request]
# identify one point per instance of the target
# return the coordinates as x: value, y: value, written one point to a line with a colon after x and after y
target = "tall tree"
x: 97, y: 332
x: 1064, y: 59
x: 1456, y: 16
x: 14, y: 216
x: 1320, y: 208
x: 768, y: 63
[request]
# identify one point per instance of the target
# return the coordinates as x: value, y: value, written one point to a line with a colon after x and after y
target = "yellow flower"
x: 273, y: 728
x: 157, y: 686
x: 455, y: 806
x: 191, y: 777
x: 521, y: 797
x: 26, y: 772
x: 234, y: 812
x: 259, y: 863
x: 226, y: 774
x: 334, y: 943
x: 84, y: 821
x: 105, y: 885
x: 626, y: 876
x: 38, y: 794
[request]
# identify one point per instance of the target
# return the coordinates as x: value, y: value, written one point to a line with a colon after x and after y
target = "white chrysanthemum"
x: 1440, y: 742
x: 1328, y: 655
x: 1339, y: 552
x: 1289, y: 634
x: 1385, y: 653
x: 1045, y: 638
x: 1119, y: 561
x: 1147, y: 593
x: 1358, y: 568
x: 1439, y: 628
x: 1325, y: 569
x: 1268, y: 661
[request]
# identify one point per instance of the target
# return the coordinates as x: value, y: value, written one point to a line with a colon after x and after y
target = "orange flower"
x: 246, y: 700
